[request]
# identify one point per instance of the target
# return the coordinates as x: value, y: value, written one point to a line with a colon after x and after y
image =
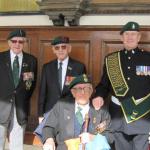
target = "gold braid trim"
x: 115, y: 74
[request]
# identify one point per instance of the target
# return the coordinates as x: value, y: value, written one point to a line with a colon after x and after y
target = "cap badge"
x: 133, y: 26
x: 85, y: 78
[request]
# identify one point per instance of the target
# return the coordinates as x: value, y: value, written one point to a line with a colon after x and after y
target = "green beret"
x: 16, y: 33
x: 79, y: 79
x: 130, y: 26
x: 60, y: 40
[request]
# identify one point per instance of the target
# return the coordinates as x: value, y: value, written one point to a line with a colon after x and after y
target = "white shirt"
x: 64, y: 69
x: 85, y: 109
x: 20, y: 57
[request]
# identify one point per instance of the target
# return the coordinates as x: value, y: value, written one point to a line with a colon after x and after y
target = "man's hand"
x: 98, y: 102
x: 86, y: 137
x: 40, y: 119
x: 49, y: 144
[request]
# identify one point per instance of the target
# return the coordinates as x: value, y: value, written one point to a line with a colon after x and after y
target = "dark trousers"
x: 130, y: 142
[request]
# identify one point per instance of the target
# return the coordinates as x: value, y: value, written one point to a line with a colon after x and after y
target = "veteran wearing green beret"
x: 57, y: 75
x: 126, y: 78
x: 66, y: 119
x: 17, y: 77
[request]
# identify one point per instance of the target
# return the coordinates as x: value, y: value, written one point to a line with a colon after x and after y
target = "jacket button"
x: 15, y: 92
x: 129, y: 67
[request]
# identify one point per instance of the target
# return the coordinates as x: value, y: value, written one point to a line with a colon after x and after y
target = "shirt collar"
x: 64, y: 62
x: 85, y: 108
x: 132, y: 51
x: 12, y: 54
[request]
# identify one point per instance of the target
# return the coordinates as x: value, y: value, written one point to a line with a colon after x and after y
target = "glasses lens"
x: 56, y: 47
x: 15, y: 41
x: 63, y: 47
x: 20, y: 42
x: 85, y: 89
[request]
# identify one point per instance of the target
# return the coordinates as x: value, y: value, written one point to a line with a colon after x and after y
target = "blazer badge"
x: 28, y: 77
x: 68, y: 80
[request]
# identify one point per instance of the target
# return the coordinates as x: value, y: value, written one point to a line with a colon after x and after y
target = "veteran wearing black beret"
x: 67, y: 119
x: 59, y: 40
x: 57, y: 74
x: 16, y: 33
x: 126, y: 78
x: 18, y: 71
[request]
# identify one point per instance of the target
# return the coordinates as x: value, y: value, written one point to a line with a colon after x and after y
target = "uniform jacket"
x: 19, y: 96
x: 139, y: 86
x: 49, y: 89
x: 61, y: 122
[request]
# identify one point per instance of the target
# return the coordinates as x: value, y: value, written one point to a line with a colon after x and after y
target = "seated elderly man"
x: 77, y: 120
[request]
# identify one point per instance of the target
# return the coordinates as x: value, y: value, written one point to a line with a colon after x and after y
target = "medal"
x: 28, y: 84
x: 94, y: 120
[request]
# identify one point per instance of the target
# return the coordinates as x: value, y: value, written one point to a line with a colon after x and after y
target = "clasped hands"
x: 84, y: 138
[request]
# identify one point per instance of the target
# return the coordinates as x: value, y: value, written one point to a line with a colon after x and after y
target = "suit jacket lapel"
x: 24, y: 67
x: 55, y: 71
x: 69, y: 67
x: 7, y: 66
x: 94, y: 119
x: 68, y: 73
x: 69, y: 115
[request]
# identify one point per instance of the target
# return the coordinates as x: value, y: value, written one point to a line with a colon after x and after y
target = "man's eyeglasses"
x: 84, y: 89
x: 63, y: 47
x: 17, y: 41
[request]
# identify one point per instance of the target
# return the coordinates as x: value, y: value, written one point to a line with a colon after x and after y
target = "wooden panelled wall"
x: 89, y: 45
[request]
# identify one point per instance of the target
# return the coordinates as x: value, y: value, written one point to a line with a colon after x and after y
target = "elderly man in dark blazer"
x: 68, y: 119
x: 17, y: 77
x: 57, y: 74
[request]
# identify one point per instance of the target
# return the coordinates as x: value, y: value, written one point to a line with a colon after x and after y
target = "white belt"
x: 115, y: 100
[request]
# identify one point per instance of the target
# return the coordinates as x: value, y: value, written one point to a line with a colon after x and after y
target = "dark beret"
x: 16, y: 33
x: 60, y: 40
x: 130, y: 26
x: 79, y: 80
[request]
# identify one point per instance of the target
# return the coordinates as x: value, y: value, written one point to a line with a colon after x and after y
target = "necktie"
x: 79, y: 115
x: 16, y: 71
x: 60, y: 75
